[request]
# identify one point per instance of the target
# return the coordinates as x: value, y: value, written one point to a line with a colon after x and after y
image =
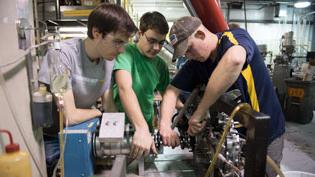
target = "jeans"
x: 52, y: 153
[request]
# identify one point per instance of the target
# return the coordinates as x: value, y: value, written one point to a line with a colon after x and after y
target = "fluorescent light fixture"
x: 73, y: 30
x: 302, y: 4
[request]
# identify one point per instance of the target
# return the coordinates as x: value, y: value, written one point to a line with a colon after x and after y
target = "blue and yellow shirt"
x: 253, y: 82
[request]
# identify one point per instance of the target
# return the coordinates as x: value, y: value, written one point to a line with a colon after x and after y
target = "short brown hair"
x: 155, y: 21
x: 109, y: 18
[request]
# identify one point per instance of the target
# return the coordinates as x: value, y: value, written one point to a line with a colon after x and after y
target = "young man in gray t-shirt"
x: 87, y: 66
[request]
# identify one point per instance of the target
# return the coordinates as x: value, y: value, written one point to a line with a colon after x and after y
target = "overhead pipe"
x: 210, y: 14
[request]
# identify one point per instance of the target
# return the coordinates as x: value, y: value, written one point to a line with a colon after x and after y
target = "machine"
x: 242, y: 153
x: 89, y: 145
x: 282, y: 68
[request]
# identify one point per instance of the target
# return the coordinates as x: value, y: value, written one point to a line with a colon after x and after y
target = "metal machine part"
x: 242, y: 154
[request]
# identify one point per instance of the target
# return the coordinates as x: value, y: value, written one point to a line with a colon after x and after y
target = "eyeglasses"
x: 119, y: 43
x: 116, y: 41
x: 154, y: 41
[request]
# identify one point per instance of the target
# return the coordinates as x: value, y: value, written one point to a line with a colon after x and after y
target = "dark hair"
x: 110, y: 18
x: 155, y: 21
x: 310, y: 55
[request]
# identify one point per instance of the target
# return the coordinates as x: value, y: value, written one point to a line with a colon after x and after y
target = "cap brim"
x: 180, y: 49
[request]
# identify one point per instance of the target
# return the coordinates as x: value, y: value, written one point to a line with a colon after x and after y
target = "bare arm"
x: 75, y: 115
x: 168, y: 105
x: 222, y: 78
x: 108, y: 101
x: 169, y: 137
x: 142, y: 140
x: 129, y: 100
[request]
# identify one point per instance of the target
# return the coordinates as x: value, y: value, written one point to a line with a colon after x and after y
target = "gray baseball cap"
x: 180, y: 31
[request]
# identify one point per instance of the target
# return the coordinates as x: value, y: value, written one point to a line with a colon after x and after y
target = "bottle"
x: 14, y: 163
x: 42, y: 107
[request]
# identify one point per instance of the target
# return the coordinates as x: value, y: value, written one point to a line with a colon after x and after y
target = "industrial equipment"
x: 282, y: 68
x: 88, y: 143
x: 242, y: 154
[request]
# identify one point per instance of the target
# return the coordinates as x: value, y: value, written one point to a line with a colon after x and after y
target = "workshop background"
x: 285, y: 35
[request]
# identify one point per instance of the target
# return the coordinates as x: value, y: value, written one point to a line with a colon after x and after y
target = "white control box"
x: 112, y: 127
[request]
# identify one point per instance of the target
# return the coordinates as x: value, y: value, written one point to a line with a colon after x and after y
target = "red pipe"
x: 210, y: 14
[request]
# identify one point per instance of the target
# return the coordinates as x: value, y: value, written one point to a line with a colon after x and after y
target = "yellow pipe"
x: 273, y: 165
x: 61, y: 143
x: 225, y: 132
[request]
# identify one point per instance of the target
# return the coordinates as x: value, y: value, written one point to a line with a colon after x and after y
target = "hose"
x: 225, y: 132
x: 274, y: 166
x: 61, y: 143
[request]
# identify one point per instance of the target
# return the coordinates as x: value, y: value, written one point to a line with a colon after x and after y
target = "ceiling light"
x: 302, y: 4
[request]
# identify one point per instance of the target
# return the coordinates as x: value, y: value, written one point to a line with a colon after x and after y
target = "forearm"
x: 132, y: 108
x: 168, y: 105
x: 74, y: 115
x: 80, y: 115
x: 222, y: 78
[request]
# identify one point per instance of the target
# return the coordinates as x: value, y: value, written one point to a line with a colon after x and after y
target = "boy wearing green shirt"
x: 138, y: 72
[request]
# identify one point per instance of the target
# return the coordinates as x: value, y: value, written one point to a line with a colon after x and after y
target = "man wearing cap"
x: 138, y: 72
x: 223, y: 62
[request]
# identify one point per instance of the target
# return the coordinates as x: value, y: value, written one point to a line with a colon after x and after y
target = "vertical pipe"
x: 57, y: 7
x: 228, y: 13
x: 35, y: 11
x: 313, y: 34
x: 245, y: 15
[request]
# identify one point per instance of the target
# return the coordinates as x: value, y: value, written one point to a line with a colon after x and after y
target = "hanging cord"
x: 59, y: 85
x: 61, y: 142
x: 10, y: 104
x: 22, y: 56
x: 274, y: 166
x: 18, y: 123
x: 62, y: 145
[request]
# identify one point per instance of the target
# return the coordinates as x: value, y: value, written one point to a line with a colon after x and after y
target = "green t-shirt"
x: 148, y: 75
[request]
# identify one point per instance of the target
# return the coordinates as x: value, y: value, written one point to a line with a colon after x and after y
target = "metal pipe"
x: 57, y: 6
x: 190, y: 8
x: 245, y: 15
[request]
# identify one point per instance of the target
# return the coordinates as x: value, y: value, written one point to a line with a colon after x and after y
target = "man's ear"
x: 200, y: 35
x: 95, y: 32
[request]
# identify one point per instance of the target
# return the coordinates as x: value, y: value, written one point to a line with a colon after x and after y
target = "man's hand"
x: 169, y: 136
x: 142, y: 143
x: 195, y: 125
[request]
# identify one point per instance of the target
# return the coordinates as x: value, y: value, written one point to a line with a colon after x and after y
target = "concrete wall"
x: 14, y: 93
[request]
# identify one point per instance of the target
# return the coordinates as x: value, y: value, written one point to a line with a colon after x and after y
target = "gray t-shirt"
x: 88, y: 79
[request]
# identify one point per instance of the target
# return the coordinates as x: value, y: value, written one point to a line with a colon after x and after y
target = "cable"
x: 225, y: 132
x: 25, y: 52
x: 274, y: 166
x: 61, y: 142
x: 10, y: 104
x: 20, y: 129
x: 221, y: 157
x: 62, y: 147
